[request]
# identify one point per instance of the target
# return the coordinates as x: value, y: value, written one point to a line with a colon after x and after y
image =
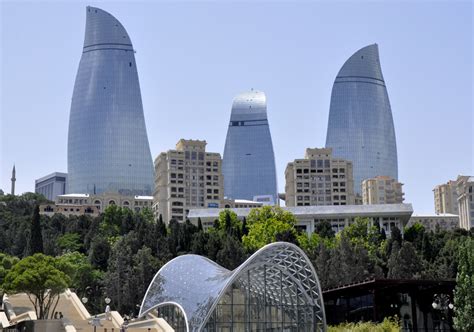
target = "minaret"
x: 13, y: 179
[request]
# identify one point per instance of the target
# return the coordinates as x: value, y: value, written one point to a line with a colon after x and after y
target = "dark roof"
x: 380, y: 284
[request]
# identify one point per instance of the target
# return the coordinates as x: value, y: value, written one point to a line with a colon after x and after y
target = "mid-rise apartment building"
x: 465, y: 194
x: 187, y: 177
x: 382, y: 190
x: 446, y: 198
x: 319, y: 179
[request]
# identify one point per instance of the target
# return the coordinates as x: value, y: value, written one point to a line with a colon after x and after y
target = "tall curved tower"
x: 248, y: 164
x: 360, y: 125
x: 108, y: 147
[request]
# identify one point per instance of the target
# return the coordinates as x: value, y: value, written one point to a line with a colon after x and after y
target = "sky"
x: 194, y: 57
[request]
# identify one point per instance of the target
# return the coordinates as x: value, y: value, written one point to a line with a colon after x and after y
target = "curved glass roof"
x: 195, y: 284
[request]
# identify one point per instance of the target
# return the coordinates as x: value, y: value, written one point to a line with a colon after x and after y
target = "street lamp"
x: 107, y: 308
x: 442, y: 302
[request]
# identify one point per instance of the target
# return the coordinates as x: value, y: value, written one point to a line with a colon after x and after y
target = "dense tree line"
x: 117, y: 253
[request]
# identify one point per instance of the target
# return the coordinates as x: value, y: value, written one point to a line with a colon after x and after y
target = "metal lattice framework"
x: 279, y: 273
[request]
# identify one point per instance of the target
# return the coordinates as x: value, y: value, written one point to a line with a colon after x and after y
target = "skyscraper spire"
x: 13, y: 180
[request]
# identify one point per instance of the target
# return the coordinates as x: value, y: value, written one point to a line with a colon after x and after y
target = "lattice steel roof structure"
x: 276, y: 288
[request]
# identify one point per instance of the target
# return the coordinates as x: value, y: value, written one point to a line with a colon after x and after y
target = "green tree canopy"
x: 232, y: 253
x: 229, y: 223
x: 404, y: 262
x: 324, y: 229
x: 40, y: 277
x: 265, y: 224
x: 6, y: 264
x: 79, y: 270
x: 36, y: 238
x: 69, y: 242
x: 414, y: 233
x: 464, y: 292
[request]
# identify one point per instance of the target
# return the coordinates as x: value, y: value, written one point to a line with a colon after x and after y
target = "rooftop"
x: 73, y: 195
x: 433, y: 215
x: 322, y: 210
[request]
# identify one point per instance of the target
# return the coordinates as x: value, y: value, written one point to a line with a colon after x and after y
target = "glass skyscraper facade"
x: 248, y: 164
x: 360, y: 127
x: 108, y: 148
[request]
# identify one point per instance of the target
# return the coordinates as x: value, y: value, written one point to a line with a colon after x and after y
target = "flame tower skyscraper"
x: 108, y: 148
x: 360, y: 127
x: 248, y: 164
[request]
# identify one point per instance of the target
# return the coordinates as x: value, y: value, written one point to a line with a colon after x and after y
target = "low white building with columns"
x: 340, y: 216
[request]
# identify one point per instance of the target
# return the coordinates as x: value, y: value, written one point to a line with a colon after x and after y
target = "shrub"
x: 388, y: 325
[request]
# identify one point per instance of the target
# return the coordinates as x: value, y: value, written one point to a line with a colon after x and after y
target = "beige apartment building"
x: 319, y: 179
x: 446, y: 198
x: 187, y: 177
x: 382, y: 190
x: 465, y: 194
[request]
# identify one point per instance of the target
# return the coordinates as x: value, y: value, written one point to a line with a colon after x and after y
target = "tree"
x: 199, y: 243
x: 6, y: 264
x: 350, y: 262
x: 199, y: 226
x: 324, y: 229
x: 99, y: 252
x: 214, y: 244
x: 322, y: 266
x: 232, y: 253
x: 41, y: 279
x: 69, y: 242
x: 144, y: 268
x: 187, y: 230
x: 112, y: 221
x: 288, y: 235
x: 265, y: 224
x: 245, y: 229
x: 119, y: 279
x: 161, y: 227
x: 36, y: 238
x: 79, y: 270
x: 414, y: 233
x: 229, y: 223
x: 173, y: 237
x: 464, y: 292
x: 404, y: 262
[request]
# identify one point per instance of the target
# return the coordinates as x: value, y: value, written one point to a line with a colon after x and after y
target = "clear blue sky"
x: 194, y: 57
